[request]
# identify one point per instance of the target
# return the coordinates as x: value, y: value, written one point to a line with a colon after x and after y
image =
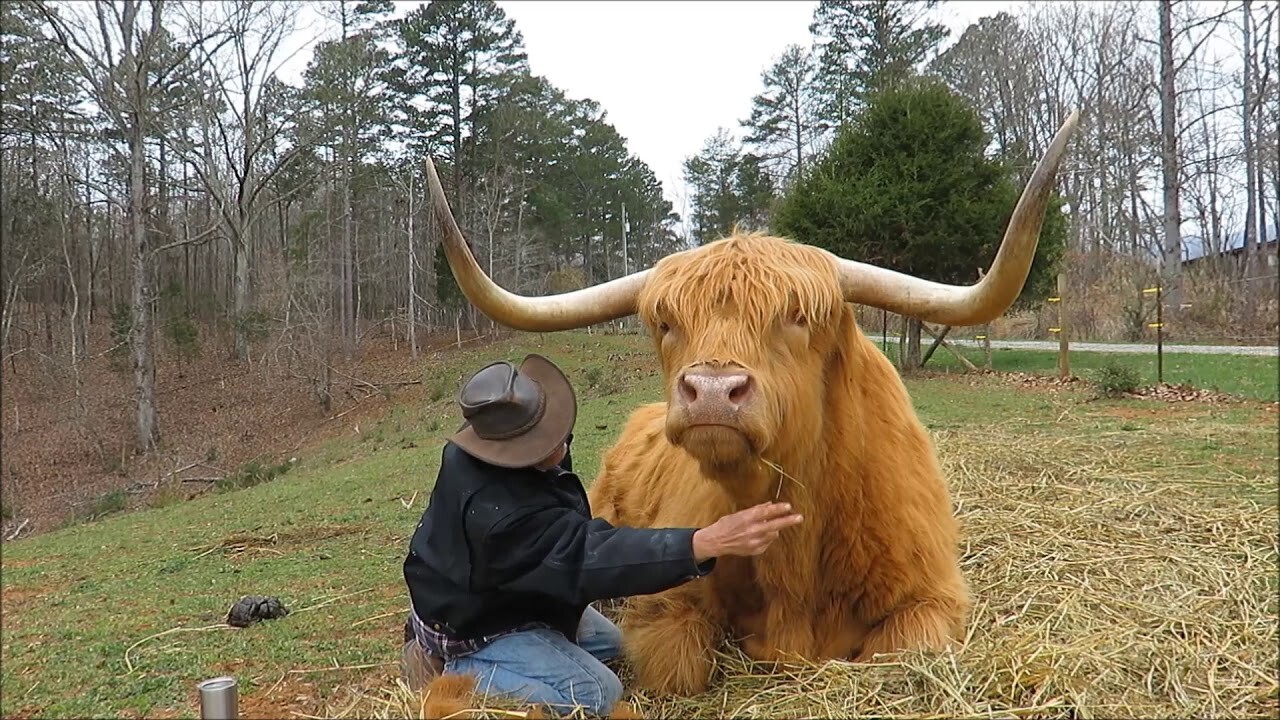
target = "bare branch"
x: 199, y: 239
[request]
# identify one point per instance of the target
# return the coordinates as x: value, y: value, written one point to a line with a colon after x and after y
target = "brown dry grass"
x: 1100, y: 591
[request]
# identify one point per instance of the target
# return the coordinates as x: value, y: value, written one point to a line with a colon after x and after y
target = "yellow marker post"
x: 1064, y: 363
x: 1159, y: 328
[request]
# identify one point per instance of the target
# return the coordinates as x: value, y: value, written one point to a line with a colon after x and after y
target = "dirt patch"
x: 13, y: 599
x: 1268, y: 414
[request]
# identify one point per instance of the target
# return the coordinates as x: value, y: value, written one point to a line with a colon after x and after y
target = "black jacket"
x: 497, y: 548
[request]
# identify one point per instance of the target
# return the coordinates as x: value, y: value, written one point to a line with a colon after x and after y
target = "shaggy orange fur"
x: 448, y: 696
x: 624, y: 711
x: 874, y: 567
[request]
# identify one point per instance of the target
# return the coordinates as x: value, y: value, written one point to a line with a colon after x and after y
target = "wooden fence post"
x: 1064, y: 363
x: 986, y: 333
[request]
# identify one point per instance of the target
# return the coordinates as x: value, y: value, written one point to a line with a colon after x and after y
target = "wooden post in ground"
x: 1064, y: 363
x: 937, y: 340
x: 1159, y: 326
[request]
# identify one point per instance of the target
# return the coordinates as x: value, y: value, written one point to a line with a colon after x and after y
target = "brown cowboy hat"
x: 516, y: 417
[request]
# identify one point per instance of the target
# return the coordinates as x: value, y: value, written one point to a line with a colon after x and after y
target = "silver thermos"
x: 219, y: 699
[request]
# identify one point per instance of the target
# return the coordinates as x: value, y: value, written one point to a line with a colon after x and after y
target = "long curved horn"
x: 960, y: 305
x: 567, y: 311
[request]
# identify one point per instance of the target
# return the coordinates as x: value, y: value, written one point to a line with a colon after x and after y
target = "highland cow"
x: 772, y: 391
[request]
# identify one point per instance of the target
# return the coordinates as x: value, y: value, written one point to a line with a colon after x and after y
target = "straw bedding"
x: 1100, y: 591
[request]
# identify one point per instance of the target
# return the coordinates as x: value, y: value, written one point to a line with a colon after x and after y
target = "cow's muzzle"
x: 715, y: 395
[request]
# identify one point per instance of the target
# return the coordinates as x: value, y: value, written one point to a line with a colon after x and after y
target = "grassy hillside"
x: 122, y: 616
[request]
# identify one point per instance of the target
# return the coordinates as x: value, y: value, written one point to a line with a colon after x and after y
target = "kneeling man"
x: 506, y: 560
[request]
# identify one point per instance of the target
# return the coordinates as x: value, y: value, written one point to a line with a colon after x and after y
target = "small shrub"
x: 1114, y: 379
x: 255, y: 324
x: 106, y: 504
x: 185, y: 336
x: 437, y: 387
x: 603, y: 381
x: 165, y: 496
x: 254, y: 473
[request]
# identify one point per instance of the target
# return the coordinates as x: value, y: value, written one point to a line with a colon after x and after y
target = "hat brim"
x: 545, y: 438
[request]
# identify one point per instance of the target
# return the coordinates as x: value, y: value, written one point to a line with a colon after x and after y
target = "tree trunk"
x: 913, y: 344
x: 348, y: 302
x: 1250, y: 172
x: 240, y: 288
x: 413, y: 261
x: 1171, y: 267
x: 147, y: 431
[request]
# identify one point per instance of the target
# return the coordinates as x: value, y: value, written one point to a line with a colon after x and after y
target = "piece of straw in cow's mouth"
x: 781, y: 474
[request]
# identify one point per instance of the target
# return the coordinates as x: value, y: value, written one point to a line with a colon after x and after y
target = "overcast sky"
x: 665, y: 79
x: 667, y: 72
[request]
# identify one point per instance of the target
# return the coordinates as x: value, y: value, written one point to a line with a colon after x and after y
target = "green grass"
x: 328, y: 536
x: 1253, y: 377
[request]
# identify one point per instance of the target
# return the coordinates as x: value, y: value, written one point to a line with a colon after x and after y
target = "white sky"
x: 665, y: 102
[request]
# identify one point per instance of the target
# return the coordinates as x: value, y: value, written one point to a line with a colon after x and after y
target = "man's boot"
x: 416, y: 666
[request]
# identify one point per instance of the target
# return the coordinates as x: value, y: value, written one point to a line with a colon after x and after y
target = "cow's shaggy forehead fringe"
x: 756, y: 277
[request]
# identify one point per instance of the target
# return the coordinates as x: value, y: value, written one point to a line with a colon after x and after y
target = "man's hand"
x: 746, y: 532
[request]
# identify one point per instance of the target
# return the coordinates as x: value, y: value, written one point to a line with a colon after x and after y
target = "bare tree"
x: 237, y: 165
x: 1170, y: 66
x: 1246, y: 133
x: 126, y: 64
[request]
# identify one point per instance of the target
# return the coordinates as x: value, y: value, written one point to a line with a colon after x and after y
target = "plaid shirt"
x: 435, y: 639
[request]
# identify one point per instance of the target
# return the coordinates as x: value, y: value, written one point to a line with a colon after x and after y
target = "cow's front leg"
x: 786, y: 634
x: 671, y: 637
x: 927, y: 624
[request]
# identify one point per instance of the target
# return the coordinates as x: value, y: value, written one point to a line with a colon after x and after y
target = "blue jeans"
x: 546, y: 668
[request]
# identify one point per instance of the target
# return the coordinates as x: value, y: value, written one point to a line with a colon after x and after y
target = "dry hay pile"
x: 1099, y: 592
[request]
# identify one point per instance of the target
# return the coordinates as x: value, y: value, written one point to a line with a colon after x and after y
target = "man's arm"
x: 560, y: 553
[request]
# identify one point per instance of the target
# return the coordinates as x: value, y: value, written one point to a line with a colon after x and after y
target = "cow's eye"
x: 798, y: 319
x: 664, y: 328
